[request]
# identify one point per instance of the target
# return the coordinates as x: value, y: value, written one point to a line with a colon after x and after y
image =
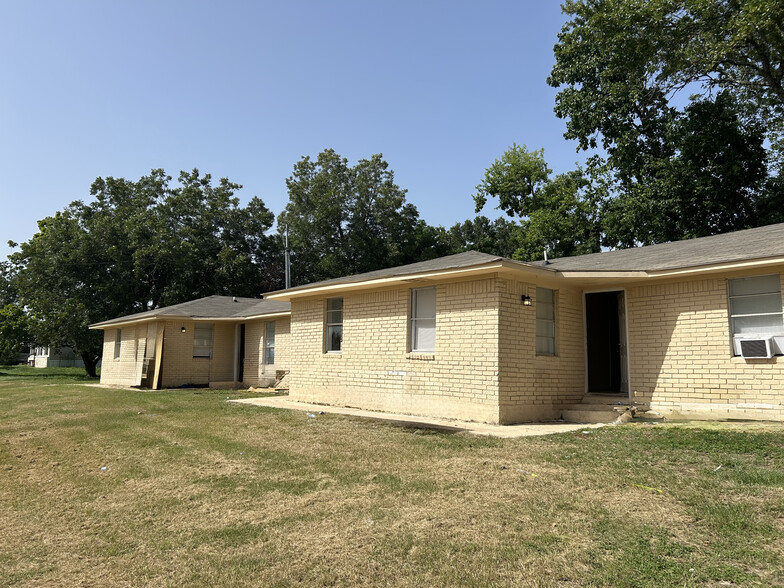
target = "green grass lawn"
x: 103, y: 487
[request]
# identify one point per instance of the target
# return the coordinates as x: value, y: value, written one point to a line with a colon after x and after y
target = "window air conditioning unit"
x: 756, y: 348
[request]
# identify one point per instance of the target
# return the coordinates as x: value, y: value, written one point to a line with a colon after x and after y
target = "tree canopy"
x: 137, y: 246
x: 345, y: 219
x: 679, y: 97
x: 14, y: 323
x: 557, y: 214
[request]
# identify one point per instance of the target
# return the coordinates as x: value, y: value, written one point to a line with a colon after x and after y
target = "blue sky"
x: 244, y: 89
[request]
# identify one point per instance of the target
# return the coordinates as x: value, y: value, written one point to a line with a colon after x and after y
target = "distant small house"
x: 691, y: 328
x: 218, y: 341
x: 43, y: 357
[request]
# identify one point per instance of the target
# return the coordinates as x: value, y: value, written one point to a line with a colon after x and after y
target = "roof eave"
x: 717, y: 267
x: 212, y: 319
x: 122, y: 323
x: 501, y: 265
x: 267, y: 315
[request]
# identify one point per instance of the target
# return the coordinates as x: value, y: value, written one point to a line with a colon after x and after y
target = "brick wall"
x: 123, y: 371
x: 179, y: 367
x: 534, y: 387
x: 375, y: 370
x: 681, y: 360
x: 257, y: 373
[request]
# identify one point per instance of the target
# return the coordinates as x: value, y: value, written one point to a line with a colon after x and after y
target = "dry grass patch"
x: 200, y: 492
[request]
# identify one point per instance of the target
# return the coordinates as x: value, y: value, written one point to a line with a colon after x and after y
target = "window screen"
x: 202, y: 340
x: 755, y: 306
x: 545, y: 321
x: 117, y: 343
x: 423, y: 320
x: 269, y: 343
x: 333, y: 332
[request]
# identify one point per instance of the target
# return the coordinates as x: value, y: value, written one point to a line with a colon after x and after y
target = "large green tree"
x: 670, y: 92
x: 557, y: 214
x: 345, y: 219
x: 496, y: 237
x: 14, y: 324
x: 139, y: 245
x: 14, y: 332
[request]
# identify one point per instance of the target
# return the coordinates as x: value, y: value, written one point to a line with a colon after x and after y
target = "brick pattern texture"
x: 257, y: 373
x: 681, y: 358
x: 179, y: 367
x: 374, y: 369
x: 535, y: 387
x: 484, y: 367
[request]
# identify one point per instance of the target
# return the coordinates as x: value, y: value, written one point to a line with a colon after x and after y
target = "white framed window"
x: 269, y: 343
x: 117, y: 343
x: 202, y: 340
x: 422, y: 337
x: 333, y: 325
x: 755, y: 306
x: 545, y: 321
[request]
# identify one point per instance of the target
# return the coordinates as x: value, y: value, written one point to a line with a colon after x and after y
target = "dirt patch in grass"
x: 199, y: 492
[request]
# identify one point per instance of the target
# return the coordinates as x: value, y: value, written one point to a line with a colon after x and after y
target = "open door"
x: 241, y: 353
x: 606, y: 345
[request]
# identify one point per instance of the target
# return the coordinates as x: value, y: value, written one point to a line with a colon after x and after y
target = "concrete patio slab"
x: 504, y: 431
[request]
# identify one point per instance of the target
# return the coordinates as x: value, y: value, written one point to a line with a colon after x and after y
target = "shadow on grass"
x: 423, y: 428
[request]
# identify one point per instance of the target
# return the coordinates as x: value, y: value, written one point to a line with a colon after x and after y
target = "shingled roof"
x: 750, y: 244
x: 759, y: 243
x: 211, y: 307
x: 449, y: 262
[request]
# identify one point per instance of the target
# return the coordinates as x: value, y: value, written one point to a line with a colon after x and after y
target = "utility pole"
x: 287, y: 259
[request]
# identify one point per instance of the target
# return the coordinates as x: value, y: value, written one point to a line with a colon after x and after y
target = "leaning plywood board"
x: 158, y: 358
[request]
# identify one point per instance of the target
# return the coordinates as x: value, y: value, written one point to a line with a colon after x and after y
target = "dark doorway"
x: 605, y: 336
x: 241, y: 355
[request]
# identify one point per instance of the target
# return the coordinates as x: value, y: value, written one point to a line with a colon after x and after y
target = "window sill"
x: 746, y: 360
x: 420, y: 356
x: 333, y: 354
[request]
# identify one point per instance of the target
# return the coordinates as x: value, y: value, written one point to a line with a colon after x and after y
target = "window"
x: 334, y: 325
x: 423, y: 320
x: 269, y: 343
x: 545, y: 321
x: 202, y: 340
x: 755, y: 306
x: 117, y: 343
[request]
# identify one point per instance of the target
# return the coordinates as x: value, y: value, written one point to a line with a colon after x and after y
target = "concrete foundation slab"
x: 504, y: 431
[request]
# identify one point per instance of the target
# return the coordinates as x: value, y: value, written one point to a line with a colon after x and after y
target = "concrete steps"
x: 596, y: 408
x: 606, y: 408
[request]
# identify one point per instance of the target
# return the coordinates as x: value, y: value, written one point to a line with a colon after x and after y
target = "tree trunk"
x: 90, y: 364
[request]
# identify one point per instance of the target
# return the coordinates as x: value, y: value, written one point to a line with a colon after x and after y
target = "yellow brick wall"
x: 179, y: 367
x: 254, y: 349
x: 681, y: 359
x: 125, y: 370
x: 256, y: 372
x: 535, y: 387
x: 375, y: 370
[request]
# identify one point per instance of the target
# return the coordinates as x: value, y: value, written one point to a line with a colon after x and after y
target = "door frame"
x: 626, y: 335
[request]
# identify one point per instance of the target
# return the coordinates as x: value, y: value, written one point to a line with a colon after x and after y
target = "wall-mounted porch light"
x: 526, y: 300
x: 182, y: 329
